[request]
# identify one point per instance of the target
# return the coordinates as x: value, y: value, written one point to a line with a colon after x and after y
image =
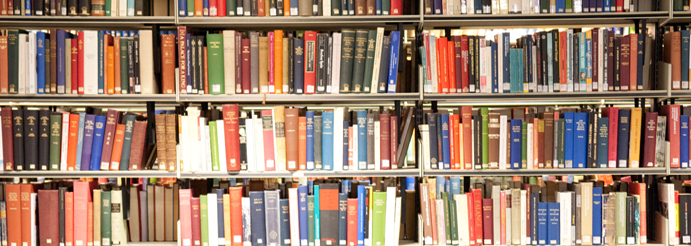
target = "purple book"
x: 89, y: 122
x: 61, y: 35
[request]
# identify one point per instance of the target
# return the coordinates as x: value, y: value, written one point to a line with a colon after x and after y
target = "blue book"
x: 377, y: 7
x: 317, y: 219
x: 516, y: 139
x: 100, y: 123
x: 285, y: 222
x: 310, y: 187
x: 327, y: 140
x: 441, y: 185
x: 220, y: 218
x: 188, y: 49
x: 438, y: 7
x: 80, y: 143
x: 130, y: 8
x: 342, y: 219
x: 495, y: 72
x: 519, y: 70
x: 87, y: 142
x: 561, y: 6
x: 41, y: 62
x: 302, y: 213
x: 684, y: 141
x: 580, y: 140
x: 478, y: 6
x: 61, y: 35
x: 393, y: 60
x: 582, y: 66
x: 346, y: 124
x: 605, y: 5
x: 294, y: 8
x: 602, y: 142
x: 597, y: 4
x: 410, y: 183
x: 455, y: 185
x: 101, y: 76
x: 298, y: 65
x: 434, y: 154
x: 345, y: 186
x: 445, y: 141
x: 182, y: 8
x: 309, y: 115
x: 568, y: 139
x: 623, y: 137
x: 258, y: 218
x: 542, y: 223
x: 127, y: 142
x: 553, y: 218
x: 641, y: 58
x: 385, y: 62
x: 361, y: 215
x: 585, y: 6
x: 205, y: 8
x: 27, y: 7
x: 597, y: 215
x: 362, y: 139
x: 506, y: 60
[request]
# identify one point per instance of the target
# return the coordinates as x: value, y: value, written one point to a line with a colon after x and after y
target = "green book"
x: 204, y: 214
x: 379, y: 218
x: 107, y: 7
x: 620, y: 217
x: 484, y: 113
x: 356, y: 83
x: 335, y: 8
x: 678, y: 5
x: 447, y: 212
x: 560, y: 150
x: 524, y: 145
x: 124, y: 67
x: 569, y: 6
x: 13, y: 59
x: 454, y: 221
x: 214, y: 44
x: 213, y: 134
x: 347, y: 54
x: 369, y: 60
x: 385, y: 7
x: 544, y: 7
x: 105, y: 218
x: 231, y: 7
x: 310, y: 220
x: 55, y: 140
x: 190, y: 8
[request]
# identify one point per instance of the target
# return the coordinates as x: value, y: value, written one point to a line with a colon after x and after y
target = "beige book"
x: 226, y: 219
x: 229, y: 61
x: 97, y: 217
x: 586, y: 213
x: 516, y: 217
x: 264, y: 65
x: 286, y: 71
x: 160, y: 212
x: 280, y: 137
x: 118, y: 233
x: 147, y: 83
x: 134, y: 213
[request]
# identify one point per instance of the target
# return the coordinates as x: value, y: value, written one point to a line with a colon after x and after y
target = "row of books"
x: 676, y: 53
x: 278, y: 62
x: 221, y: 8
x: 83, y: 62
x: 75, y: 8
x: 495, y: 7
x: 291, y: 139
x: 532, y: 138
x: 544, y: 61
x: 45, y: 140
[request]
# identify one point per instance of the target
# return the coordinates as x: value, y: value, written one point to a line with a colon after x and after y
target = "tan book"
x: 161, y: 141
x: 264, y: 64
x: 169, y: 221
x: 515, y: 217
x: 150, y: 207
x: 304, y: 7
x: 229, y: 61
x: 291, y: 139
x: 226, y: 218
x: 635, y: 138
x: 586, y: 213
x: 286, y: 71
x: 134, y: 213
x: 425, y: 213
x: 171, y: 141
x: 97, y: 217
x: 160, y: 212
x: 280, y: 137
x: 176, y: 208
x: 147, y: 83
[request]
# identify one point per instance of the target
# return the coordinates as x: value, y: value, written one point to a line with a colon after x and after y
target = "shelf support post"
x: 151, y: 122
x: 434, y: 106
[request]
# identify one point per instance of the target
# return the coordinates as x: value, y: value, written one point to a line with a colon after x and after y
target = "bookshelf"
x: 551, y: 172
x: 298, y: 21
x: 286, y: 174
x: 543, y: 20
x: 85, y: 21
x: 549, y: 98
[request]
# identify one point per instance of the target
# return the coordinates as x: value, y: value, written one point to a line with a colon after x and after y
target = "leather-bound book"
x: 113, y: 117
x: 55, y: 139
x: 31, y: 137
x: 625, y: 58
x: 48, y: 212
x: 161, y: 141
x: 171, y: 141
x: 672, y: 55
x: 14, y: 215
x: 134, y: 213
x: 7, y: 138
x: 168, y: 63
x: 280, y: 136
x: 97, y: 8
x: 138, y: 145
x: 650, y: 130
x: 44, y: 139
x: 18, y: 133
x: 291, y: 138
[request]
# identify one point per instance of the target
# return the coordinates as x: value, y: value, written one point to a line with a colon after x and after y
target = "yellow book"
x: 635, y: 138
x: 226, y: 219
x: 111, y: 70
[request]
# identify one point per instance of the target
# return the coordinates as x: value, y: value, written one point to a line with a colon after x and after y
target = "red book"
x: 541, y: 142
x: 302, y: 143
x: 458, y: 70
x: 182, y: 65
x: 649, y: 141
x: 624, y: 62
x: 186, y: 217
x: 562, y: 58
x: 80, y: 64
x: 620, y: 5
x: 14, y: 215
x: 196, y: 222
x: 451, y: 65
x: 384, y: 141
x: 464, y: 65
x: 89, y: 222
x: 117, y: 147
x: 236, y: 215
x: 213, y: 8
x: 48, y: 212
x: 613, y: 114
x: 467, y: 122
x: 394, y: 142
x: 457, y: 139
x: 231, y: 124
x: 440, y: 82
x: 260, y: 8
x: 81, y: 200
x: 10, y: 7
x: 168, y: 64
x: 25, y: 203
x: 487, y: 217
x: 137, y: 147
x: 246, y: 72
x: 3, y: 8
x: 7, y: 138
x: 633, y: 62
x: 673, y: 114
x: 477, y: 213
x: 221, y: 8
x: 112, y: 119
x: 442, y: 65
x: 75, y: 66
x: 640, y: 189
x: 310, y: 64
x: 4, y: 80
x: 72, y: 142
x: 471, y: 219
x: 69, y: 218
x: 352, y: 221
x: 396, y: 7
x: 270, y: 161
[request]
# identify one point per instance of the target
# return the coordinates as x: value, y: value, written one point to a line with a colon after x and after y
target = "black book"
x: 253, y: 7
x: 31, y: 121
x: 526, y: 53
x: 243, y: 144
x: 44, y: 139
x: 476, y: 63
x: 684, y: 231
x: 46, y: 10
x: 279, y: 7
x: 617, y: 44
x: 61, y: 213
x: 239, y: 10
x: 543, y: 60
x: 72, y: 6
x: 17, y: 7
x: 135, y: 50
x: 193, y: 65
x: 247, y: 7
x: 318, y: 140
x: 272, y: 7
x: 368, y: 190
x: 322, y: 39
x: 432, y: 123
x: 199, y: 69
x: 139, y: 7
x: 538, y: 62
x: 631, y: 207
x: 342, y: 218
x: 487, y: 6
x: 471, y: 63
x: 316, y: 8
x: 291, y: 66
x: 555, y: 57
x: 84, y: 7
x: 329, y: 62
x: 38, y: 7
x: 477, y: 137
x: 18, y: 131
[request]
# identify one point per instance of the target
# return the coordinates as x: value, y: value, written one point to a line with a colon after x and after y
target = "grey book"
x: 370, y: 139
x: 347, y: 53
x: 356, y: 83
x: 254, y: 62
x: 317, y: 141
x: 273, y: 217
x: 192, y: 57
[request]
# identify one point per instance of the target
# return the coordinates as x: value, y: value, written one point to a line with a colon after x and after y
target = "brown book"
x: 176, y: 208
x: 360, y: 7
x: 168, y: 63
x: 280, y: 136
x: 161, y: 141
x: 410, y: 225
x: 425, y: 211
x: 3, y: 66
x: 134, y: 213
x: 304, y: 7
x: 53, y: 61
x: 291, y: 140
x: 168, y: 197
x: 672, y: 55
x: 264, y: 64
x: 171, y: 141
x: 48, y: 213
x: 159, y: 203
x: 98, y: 7
x: 138, y: 144
x: 549, y: 139
x: 541, y: 142
x: 370, y: 7
x: 493, y: 135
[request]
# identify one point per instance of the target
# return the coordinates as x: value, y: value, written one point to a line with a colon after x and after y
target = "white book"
x: 569, y: 63
x: 147, y: 82
x: 390, y: 215
x: 336, y: 64
x: 666, y: 196
x: 530, y: 146
x: 122, y: 10
x: 229, y: 61
x: 424, y: 135
x: 496, y: 224
x: 245, y: 214
x: 294, y: 220
x: 462, y: 217
x: 338, y: 139
x: 509, y: 214
x: 117, y: 227
x: 21, y: 85
x: 207, y: 147
x: 212, y: 214
x: 441, y: 229
x: 356, y: 163
x: 31, y: 67
x: 201, y: 146
x: 279, y: 160
x: 449, y: 8
x: 524, y: 238
x: 564, y: 199
x: 377, y: 61
x: 182, y: 135
x: 249, y: 129
x: 397, y: 222
x: 220, y: 130
x: 259, y: 142
x: 470, y: 7
x: 502, y: 141
x: 433, y: 61
x: 90, y: 57
x: 483, y: 72
x: 63, y: 147
x: 533, y: 84
x: 326, y: 8
x: 193, y: 139
x: 377, y: 145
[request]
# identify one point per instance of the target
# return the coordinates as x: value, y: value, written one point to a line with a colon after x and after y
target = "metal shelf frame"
x: 551, y: 172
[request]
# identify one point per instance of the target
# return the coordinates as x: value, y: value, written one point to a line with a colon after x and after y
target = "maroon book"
x: 650, y: 139
x: 137, y: 147
x: 624, y: 66
x: 196, y: 222
x: 610, y: 60
x: 182, y: 71
x: 112, y: 119
x: 246, y: 72
x: 488, y: 222
x: 394, y: 141
x: 385, y: 141
x: 48, y: 213
x: 238, y: 62
x: 458, y: 62
x: 7, y: 138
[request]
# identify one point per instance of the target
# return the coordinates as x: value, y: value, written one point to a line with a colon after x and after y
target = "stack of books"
x: 532, y: 138
x: 83, y: 62
x: 496, y: 7
x: 278, y: 62
x: 221, y: 8
x: 545, y: 61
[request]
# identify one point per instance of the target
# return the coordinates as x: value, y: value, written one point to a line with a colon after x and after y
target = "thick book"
x: 329, y: 213
x: 258, y: 218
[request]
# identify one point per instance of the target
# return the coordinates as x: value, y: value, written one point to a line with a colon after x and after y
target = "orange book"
x: 278, y: 60
x: 198, y: 7
x: 72, y: 142
x: 235, y: 215
x: 206, y: 72
x: 110, y: 61
x: 116, y: 58
x: 25, y: 201
x: 286, y: 7
x: 69, y: 218
x: 117, y: 147
x: 451, y: 66
x: 107, y: 42
x: 14, y: 215
x: 302, y: 143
